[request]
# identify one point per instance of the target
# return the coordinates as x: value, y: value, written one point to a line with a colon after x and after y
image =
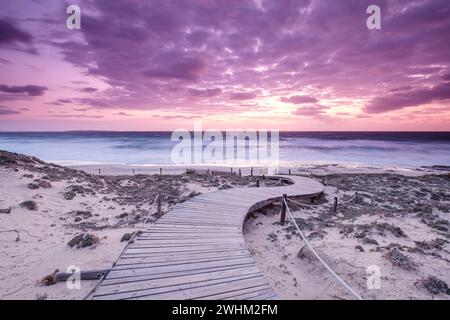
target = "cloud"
x: 299, y: 99
x: 10, y: 33
x: 30, y: 90
x: 162, y: 55
x: 123, y: 114
x: 205, y: 93
x: 4, y: 111
x: 88, y: 89
x: 242, y: 95
x: 188, y: 69
x: 411, y: 98
x: 4, y: 61
x: 170, y: 117
x: 311, y: 111
x: 76, y: 116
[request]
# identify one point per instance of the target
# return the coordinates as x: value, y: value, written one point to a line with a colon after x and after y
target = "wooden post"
x: 289, y: 171
x: 133, y: 171
x: 283, y: 209
x: 257, y: 183
x: 231, y: 170
x: 99, y: 171
x: 240, y: 173
x: 335, y: 204
x: 160, y: 171
x: 264, y: 177
x: 159, y: 203
x: 282, y: 182
x: 251, y: 172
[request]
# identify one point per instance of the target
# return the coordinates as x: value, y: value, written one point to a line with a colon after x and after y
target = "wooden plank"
x: 118, y: 273
x: 177, y: 281
x: 174, y: 260
x: 192, y: 290
x: 174, y: 275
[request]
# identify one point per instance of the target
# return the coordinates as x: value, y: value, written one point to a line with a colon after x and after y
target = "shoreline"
x: 310, y: 169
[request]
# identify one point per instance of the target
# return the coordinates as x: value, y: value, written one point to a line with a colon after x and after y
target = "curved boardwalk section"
x: 197, y: 250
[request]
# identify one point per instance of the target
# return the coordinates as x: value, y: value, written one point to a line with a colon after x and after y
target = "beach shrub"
x: 83, y: 240
x: 29, y: 204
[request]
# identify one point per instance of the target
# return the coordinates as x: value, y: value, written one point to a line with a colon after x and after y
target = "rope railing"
x: 351, y: 199
x: 335, y: 202
x: 305, y: 204
x: 305, y: 240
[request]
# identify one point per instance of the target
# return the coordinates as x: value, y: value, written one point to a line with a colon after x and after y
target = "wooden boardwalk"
x: 197, y: 250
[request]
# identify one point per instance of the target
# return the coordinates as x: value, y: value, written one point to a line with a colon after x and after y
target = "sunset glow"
x: 289, y: 65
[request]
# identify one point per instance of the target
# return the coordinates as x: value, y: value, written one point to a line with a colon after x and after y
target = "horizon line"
x: 331, y: 131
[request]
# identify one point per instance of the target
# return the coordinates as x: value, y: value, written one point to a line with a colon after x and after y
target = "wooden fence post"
x: 257, y: 183
x: 160, y: 171
x: 251, y: 172
x: 289, y: 171
x: 240, y: 172
x: 283, y: 209
x: 335, y: 204
x: 99, y: 171
x: 159, y: 203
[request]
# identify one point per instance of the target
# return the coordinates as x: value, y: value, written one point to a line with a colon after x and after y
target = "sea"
x: 385, y: 149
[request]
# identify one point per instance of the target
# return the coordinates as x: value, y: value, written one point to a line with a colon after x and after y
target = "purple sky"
x: 159, y: 65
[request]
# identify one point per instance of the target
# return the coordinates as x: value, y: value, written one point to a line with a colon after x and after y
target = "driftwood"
x: 5, y: 210
x: 84, y: 275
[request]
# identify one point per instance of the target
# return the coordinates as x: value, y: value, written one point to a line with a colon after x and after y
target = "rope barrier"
x: 125, y: 247
x: 351, y: 199
x: 339, y: 279
x: 305, y: 204
x: 317, y: 205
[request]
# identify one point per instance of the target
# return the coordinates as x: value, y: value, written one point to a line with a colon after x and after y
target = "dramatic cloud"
x: 30, y: 90
x: 9, y: 33
x: 299, y: 99
x: 151, y: 49
x: 211, y: 57
x: 409, y: 99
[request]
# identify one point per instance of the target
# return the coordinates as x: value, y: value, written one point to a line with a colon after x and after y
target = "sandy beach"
x: 53, y: 217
